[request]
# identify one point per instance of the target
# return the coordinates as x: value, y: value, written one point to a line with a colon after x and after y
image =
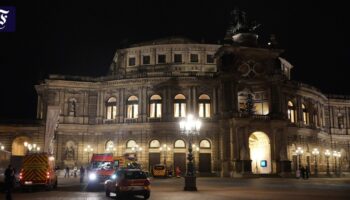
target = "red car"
x: 128, y: 182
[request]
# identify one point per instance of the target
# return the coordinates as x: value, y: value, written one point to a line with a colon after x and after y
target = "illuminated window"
x: 340, y: 121
x: 210, y: 58
x: 177, y: 58
x: 72, y: 107
x: 132, y: 61
x: 205, y: 144
x: 305, y: 114
x: 179, y: 144
x: 154, y: 144
x: 261, y: 103
x: 111, y: 108
x: 204, y: 106
x: 155, y: 106
x: 161, y: 59
x: 130, y: 144
x: 194, y: 58
x: 146, y: 60
x: 291, y: 112
x: 133, y: 107
x: 180, y: 106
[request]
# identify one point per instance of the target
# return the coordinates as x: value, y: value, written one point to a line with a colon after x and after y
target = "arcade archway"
x: 260, y: 153
x: 18, y: 148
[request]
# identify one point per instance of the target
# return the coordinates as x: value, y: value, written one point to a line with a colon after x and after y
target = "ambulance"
x: 38, y: 170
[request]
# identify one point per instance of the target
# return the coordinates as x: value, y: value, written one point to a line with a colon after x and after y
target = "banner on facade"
x: 52, y: 121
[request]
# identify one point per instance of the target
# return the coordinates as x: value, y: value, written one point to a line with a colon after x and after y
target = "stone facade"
x: 215, y: 81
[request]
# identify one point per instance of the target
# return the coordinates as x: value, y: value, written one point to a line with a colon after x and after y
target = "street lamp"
x: 299, y: 152
x: 315, y: 152
x: 165, y: 148
x: 31, y: 148
x: 88, y: 150
x: 327, y: 153
x: 336, y: 154
x: 135, y: 149
x: 111, y: 148
x: 339, y: 162
x: 190, y: 127
x: 2, y: 147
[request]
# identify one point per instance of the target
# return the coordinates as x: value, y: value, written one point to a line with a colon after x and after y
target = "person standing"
x: 302, y: 170
x: 66, y: 174
x: 9, y: 181
x: 82, y: 174
x: 307, y: 172
x: 75, y: 171
x: 178, y: 172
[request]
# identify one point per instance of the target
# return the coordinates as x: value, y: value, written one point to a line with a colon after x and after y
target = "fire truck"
x: 38, y: 169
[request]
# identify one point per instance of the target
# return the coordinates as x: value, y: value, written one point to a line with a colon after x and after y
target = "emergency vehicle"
x: 38, y: 169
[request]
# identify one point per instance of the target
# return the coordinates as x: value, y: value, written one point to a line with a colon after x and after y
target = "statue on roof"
x: 239, y: 23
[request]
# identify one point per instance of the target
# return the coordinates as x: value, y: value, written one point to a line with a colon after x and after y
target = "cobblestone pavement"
x: 210, y: 189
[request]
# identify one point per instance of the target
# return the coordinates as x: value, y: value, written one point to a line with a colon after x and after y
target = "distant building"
x: 254, y: 116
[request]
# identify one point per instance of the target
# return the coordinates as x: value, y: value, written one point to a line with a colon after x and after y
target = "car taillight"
x: 20, y: 175
x: 147, y: 182
x: 47, y: 174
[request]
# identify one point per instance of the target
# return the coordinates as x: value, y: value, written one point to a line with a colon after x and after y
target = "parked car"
x: 128, y: 182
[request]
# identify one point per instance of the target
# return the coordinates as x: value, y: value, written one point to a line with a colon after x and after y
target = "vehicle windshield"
x: 101, y: 165
x: 135, y: 175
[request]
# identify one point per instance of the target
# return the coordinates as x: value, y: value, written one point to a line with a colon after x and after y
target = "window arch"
x: 179, y: 144
x: 180, y: 106
x: 305, y: 114
x: 109, y: 145
x: 111, y: 108
x: 72, y: 107
x: 154, y: 144
x: 291, y: 112
x: 204, y: 106
x: 205, y: 144
x: 133, y: 107
x: 130, y: 144
x: 155, y: 106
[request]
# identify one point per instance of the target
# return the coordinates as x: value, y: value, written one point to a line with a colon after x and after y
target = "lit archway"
x: 260, y: 153
x: 18, y: 148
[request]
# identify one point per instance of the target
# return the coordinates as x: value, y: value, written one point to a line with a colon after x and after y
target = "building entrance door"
x: 154, y: 158
x: 204, y: 162
x: 180, y: 161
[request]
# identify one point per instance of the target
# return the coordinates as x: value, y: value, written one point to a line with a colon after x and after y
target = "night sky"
x: 80, y: 38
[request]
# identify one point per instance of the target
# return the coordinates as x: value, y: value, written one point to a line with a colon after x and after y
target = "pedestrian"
x: 307, y: 172
x: 178, y: 172
x: 66, y: 174
x: 75, y: 171
x: 302, y: 170
x: 9, y: 181
x: 82, y: 174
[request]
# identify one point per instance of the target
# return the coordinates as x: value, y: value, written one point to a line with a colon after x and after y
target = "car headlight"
x: 92, y: 176
x: 113, y: 176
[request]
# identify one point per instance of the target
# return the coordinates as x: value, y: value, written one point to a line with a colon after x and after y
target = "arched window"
x: 204, y: 106
x: 111, y: 108
x: 109, y: 146
x: 133, y: 107
x: 305, y: 114
x: 130, y: 144
x: 180, y: 106
x: 291, y: 112
x: 205, y: 144
x: 155, y: 106
x: 179, y: 144
x: 72, y: 107
x: 340, y: 120
x: 154, y: 144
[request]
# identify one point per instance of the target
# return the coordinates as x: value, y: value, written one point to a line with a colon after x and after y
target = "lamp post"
x: 195, y: 152
x: 88, y: 150
x: 299, y: 152
x: 136, y: 149
x: 315, y: 152
x: 327, y: 153
x: 31, y: 148
x: 2, y: 147
x: 190, y: 127
x: 336, y: 155
x: 165, y: 148
x: 339, y: 163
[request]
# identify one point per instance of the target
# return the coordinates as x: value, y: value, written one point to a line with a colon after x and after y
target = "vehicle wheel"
x: 108, y: 193
x: 146, y: 196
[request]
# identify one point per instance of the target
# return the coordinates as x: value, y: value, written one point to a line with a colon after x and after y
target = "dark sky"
x: 80, y: 38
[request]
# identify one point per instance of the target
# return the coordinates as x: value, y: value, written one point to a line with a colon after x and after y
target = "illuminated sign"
x: 263, y: 163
